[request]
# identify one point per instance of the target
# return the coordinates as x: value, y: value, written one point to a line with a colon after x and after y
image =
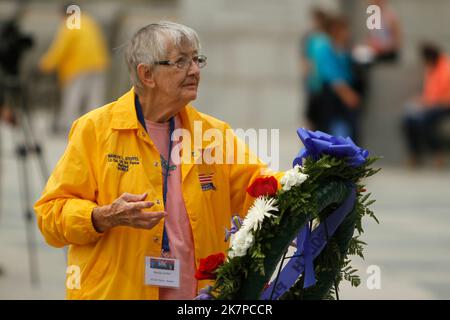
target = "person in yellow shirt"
x: 135, y: 195
x: 80, y: 57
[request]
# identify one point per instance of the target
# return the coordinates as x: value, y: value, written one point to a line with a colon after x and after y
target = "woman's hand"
x: 126, y: 211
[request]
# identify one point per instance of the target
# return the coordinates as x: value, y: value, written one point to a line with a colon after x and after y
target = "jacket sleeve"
x: 242, y: 175
x: 58, y: 49
x: 65, y: 207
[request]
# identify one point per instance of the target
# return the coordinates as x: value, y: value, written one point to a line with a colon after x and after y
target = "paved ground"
x: 411, y: 246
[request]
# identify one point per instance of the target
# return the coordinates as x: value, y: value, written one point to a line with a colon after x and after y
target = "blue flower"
x: 318, y: 143
x: 205, y: 294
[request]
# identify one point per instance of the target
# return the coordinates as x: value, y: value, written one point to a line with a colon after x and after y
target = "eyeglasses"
x: 185, y: 62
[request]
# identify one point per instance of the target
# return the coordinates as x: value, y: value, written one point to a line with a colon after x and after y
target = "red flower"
x: 263, y: 187
x: 209, y: 265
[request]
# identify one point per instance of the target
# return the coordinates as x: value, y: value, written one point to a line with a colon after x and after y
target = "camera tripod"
x: 17, y: 97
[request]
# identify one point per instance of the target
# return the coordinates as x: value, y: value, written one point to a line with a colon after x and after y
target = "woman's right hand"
x: 126, y: 211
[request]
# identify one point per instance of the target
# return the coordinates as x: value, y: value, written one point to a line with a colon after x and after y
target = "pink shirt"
x: 177, y: 221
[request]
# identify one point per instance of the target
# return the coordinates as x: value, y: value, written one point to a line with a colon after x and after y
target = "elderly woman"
x: 137, y: 222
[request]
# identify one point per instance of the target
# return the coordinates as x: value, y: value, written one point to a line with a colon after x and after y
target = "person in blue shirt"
x: 312, y: 84
x: 339, y: 101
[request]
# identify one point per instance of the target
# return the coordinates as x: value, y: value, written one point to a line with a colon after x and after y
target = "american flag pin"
x: 206, y: 181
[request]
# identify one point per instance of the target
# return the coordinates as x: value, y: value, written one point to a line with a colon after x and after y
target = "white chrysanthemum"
x: 292, y: 178
x: 242, y: 241
x: 243, y: 238
x: 261, y: 208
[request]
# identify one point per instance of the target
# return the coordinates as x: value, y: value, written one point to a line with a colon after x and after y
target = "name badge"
x: 162, y: 272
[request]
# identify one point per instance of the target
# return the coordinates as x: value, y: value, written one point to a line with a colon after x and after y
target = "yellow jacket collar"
x: 125, y: 117
x: 124, y: 112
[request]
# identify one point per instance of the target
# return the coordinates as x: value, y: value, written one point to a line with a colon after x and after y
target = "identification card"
x: 162, y: 272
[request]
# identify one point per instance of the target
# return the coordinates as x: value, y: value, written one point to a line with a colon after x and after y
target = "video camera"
x: 12, y: 47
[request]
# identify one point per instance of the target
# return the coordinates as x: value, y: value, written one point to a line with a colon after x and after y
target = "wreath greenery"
x: 330, y: 180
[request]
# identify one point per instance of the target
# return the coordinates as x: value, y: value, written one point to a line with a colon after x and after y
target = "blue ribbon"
x: 318, y: 143
x: 309, y: 246
x: 310, y: 278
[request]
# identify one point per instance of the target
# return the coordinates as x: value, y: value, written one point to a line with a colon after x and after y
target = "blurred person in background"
x: 13, y: 45
x: 385, y: 41
x: 312, y: 83
x: 338, y: 99
x: 119, y: 200
x: 423, y: 114
x: 81, y: 58
x: 6, y: 113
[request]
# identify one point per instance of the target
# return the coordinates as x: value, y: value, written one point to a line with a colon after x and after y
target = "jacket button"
x: 155, y: 163
x: 157, y: 201
x: 155, y: 239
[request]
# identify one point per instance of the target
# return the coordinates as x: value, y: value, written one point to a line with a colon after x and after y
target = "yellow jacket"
x: 112, y: 263
x: 75, y: 51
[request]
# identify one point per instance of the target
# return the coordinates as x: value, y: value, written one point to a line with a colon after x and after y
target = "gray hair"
x: 150, y: 44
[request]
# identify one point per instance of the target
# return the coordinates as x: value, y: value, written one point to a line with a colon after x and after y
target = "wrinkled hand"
x: 126, y: 211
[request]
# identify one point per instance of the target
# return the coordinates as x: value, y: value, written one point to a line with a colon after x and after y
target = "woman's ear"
x: 146, y: 75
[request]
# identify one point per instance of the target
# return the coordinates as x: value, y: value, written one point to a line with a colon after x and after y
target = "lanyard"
x: 166, y: 168
x: 165, y: 165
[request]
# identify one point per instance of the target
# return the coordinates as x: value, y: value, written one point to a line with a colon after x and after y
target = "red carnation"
x: 209, y: 265
x: 263, y: 187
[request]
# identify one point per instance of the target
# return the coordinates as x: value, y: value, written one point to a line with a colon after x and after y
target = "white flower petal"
x: 244, y: 239
x: 293, y: 177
